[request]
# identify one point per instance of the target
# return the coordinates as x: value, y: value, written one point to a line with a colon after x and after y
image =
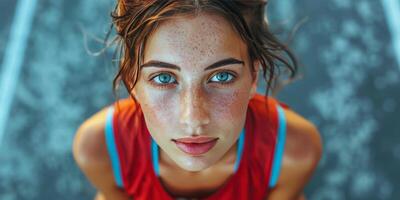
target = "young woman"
x: 194, y: 126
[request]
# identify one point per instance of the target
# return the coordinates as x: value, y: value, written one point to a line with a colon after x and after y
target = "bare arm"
x: 90, y: 154
x: 100, y: 196
x: 303, y: 150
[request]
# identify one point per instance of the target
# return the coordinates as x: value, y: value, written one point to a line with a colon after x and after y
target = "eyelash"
x: 168, y: 85
x: 162, y: 86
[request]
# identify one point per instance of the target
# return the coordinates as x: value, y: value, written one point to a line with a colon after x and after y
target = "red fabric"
x: 249, y: 182
x: 284, y: 105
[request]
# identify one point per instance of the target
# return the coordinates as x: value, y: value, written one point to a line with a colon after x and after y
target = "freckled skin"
x: 195, y: 106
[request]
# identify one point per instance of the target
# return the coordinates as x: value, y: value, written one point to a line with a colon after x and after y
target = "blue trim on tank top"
x: 239, y: 153
x: 280, y: 147
x: 154, y: 155
x: 112, y: 148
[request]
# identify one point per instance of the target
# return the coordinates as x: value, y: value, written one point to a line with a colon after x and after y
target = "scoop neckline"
x: 238, y: 165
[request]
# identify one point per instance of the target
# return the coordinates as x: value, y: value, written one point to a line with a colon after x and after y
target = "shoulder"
x: 302, y: 152
x: 303, y: 145
x: 89, y: 146
x: 91, y: 155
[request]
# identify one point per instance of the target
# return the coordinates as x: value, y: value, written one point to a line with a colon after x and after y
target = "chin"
x: 193, y: 164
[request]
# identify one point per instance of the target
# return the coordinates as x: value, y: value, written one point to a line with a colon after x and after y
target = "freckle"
x: 228, y: 105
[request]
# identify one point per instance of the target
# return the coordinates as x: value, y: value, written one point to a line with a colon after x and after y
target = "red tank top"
x: 130, y: 148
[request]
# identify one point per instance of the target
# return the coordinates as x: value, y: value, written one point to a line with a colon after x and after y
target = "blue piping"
x: 111, y: 147
x: 280, y: 147
x: 154, y: 154
x: 239, y: 151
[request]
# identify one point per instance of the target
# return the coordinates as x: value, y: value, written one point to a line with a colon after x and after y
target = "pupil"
x: 165, y: 78
x: 222, y: 76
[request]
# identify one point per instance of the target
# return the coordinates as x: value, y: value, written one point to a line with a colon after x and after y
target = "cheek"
x: 230, y: 107
x: 158, y: 110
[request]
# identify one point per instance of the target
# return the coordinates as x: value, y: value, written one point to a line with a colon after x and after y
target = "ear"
x: 256, y: 66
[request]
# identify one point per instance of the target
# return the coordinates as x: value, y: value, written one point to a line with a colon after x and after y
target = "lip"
x: 200, y: 139
x: 195, y: 145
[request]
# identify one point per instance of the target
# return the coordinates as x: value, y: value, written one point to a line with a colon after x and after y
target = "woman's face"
x: 195, y: 83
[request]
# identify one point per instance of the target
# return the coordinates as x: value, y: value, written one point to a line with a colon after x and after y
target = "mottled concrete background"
x: 350, y: 89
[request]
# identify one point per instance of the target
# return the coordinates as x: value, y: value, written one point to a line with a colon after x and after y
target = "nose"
x: 194, y: 113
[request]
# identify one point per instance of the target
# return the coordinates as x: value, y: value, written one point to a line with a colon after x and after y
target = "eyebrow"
x: 160, y: 64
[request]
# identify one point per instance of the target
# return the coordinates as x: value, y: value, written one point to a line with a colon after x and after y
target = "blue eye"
x: 222, y: 77
x: 164, y: 78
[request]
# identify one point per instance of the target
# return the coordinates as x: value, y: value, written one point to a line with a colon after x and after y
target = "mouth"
x: 195, y: 146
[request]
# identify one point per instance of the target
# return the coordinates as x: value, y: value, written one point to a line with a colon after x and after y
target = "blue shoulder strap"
x: 112, y: 148
x: 154, y: 156
x: 279, y: 147
x: 239, y: 151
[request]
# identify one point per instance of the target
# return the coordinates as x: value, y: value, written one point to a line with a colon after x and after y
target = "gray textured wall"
x: 349, y: 90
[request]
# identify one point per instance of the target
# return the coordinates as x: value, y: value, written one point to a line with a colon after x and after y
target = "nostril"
x: 194, y: 131
x: 195, y: 119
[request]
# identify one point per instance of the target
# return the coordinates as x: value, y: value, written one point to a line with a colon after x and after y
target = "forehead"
x: 194, y: 40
